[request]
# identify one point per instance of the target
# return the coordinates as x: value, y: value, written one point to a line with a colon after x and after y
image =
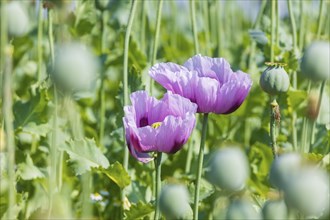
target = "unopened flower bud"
x: 274, y: 80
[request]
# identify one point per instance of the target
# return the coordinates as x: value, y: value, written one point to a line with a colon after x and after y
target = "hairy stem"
x: 320, y: 19
x: 274, y: 120
x: 273, y: 22
x: 40, y: 33
x: 200, y: 166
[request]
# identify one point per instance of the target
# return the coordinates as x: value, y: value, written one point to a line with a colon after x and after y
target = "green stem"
x: 102, y: 89
x: 143, y: 27
x: 125, y: 79
x: 207, y: 26
x: 40, y: 33
x: 273, y: 16
x: 158, y: 182
x: 9, y: 129
x: 302, y: 25
x: 294, y: 73
x: 219, y: 27
x: 305, y: 126
x: 320, y: 19
x: 312, y: 139
x: 193, y: 23
x: 200, y: 166
x: 53, y: 146
x: 277, y: 9
x: 155, y: 46
x: 3, y: 43
x: 255, y: 26
x: 189, y: 155
x: 274, y: 115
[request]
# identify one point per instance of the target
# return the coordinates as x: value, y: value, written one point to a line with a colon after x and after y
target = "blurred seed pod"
x: 75, y: 68
x: 312, y: 105
x: 174, y: 202
x: 283, y: 168
x: 229, y: 169
x: 274, y: 80
x: 240, y: 209
x: 102, y: 4
x: 17, y: 19
x: 315, y: 63
x: 275, y: 209
x: 308, y: 192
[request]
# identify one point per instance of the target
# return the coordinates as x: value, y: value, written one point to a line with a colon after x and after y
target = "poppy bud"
x: 229, y: 169
x: 315, y: 62
x: 240, y: 209
x: 275, y: 209
x: 274, y: 80
x: 283, y: 168
x: 174, y: 202
x: 17, y: 19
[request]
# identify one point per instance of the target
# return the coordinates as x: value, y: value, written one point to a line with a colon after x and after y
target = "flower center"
x: 156, y: 125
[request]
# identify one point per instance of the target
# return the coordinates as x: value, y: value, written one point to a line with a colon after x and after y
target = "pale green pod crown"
x: 275, y: 210
x: 315, y: 63
x: 274, y: 80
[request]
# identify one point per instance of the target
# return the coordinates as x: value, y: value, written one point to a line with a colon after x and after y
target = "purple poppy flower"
x: 157, y: 125
x: 208, y: 82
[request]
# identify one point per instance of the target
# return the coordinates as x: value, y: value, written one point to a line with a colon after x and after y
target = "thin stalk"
x: 312, y: 139
x: 189, y: 156
x: 40, y: 33
x: 305, y: 126
x: 155, y: 46
x: 193, y: 23
x: 125, y: 77
x: 320, y: 19
x: 294, y: 73
x: 9, y: 129
x: 53, y: 146
x: 302, y: 25
x: 102, y: 89
x: 158, y: 182
x: 200, y: 166
x: 3, y: 43
x: 273, y: 16
x: 277, y: 23
x: 255, y: 26
x: 143, y: 27
x: 207, y: 26
x: 219, y: 27
x: 274, y: 117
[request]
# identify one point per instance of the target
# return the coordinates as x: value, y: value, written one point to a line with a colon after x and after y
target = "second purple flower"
x: 208, y: 82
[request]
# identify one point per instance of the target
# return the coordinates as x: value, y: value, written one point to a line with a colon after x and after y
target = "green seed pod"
x: 315, y: 62
x: 174, y: 202
x: 229, y: 169
x: 274, y: 80
x: 283, y: 168
x: 240, y: 209
x: 102, y: 4
x: 75, y: 68
x: 17, y: 19
x: 275, y: 209
x: 308, y: 192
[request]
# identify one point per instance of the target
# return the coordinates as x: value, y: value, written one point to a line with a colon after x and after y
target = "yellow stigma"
x: 156, y: 125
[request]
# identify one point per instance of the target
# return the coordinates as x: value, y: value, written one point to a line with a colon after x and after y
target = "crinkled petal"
x: 178, y: 105
x: 175, y: 78
x: 231, y: 95
x: 206, y: 94
x: 174, y: 133
x: 133, y: 143
x: 140, y: 100
x: 215, y: 68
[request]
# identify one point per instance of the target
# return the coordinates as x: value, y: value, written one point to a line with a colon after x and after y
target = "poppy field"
x: 165, y: 109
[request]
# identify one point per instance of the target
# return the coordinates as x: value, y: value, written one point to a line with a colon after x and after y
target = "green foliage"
x: 139, y: 211
x: 84, y: 154
x: 118, y: 174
